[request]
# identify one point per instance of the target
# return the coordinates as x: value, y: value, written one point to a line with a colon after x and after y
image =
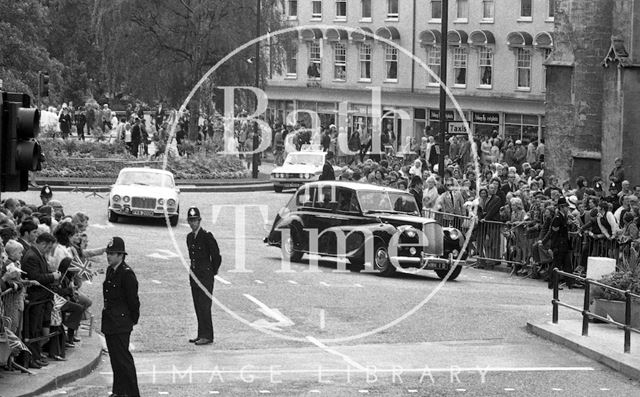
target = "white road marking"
x: 156, y: 282
x: 214, y: 392
x: 556, y: 389
x: 363, y: 391
x: 223, y: 281
x: 509, y: 389
x: 292, y: 282
x: 259, y: 282
x: 357, y: 285
x: 264, y: 392
x: 168, y: 253
x: 281, y: 319
x: 604, y: 389
x: 461, y: 389
x: 346, y: 358
x: 325, y: 284
x: 321, y: 318
x: 156, y: 255
x: 412, y: 391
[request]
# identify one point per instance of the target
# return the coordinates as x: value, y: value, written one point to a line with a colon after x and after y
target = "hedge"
x: 72, y: 158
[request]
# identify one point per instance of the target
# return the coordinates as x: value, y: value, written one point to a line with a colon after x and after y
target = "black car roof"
x: 356, y: 186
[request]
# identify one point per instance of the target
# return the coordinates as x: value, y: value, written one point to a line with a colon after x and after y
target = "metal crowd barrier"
x: 510, y: 242
x: 25, y: 323
x: 585, y: 310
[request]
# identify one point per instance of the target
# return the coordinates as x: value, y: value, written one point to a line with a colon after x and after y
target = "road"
x: 302, y: 330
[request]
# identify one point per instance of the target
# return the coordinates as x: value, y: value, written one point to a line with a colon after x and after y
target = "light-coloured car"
x: 144, y: 192
x: 300, y: 168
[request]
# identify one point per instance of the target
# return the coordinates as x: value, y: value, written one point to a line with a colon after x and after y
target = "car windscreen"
x: 383, y: 201
x: 305, y: 158
x: 145, y: 179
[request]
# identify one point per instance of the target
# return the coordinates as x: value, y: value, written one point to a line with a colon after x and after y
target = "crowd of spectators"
x: 44, y: 262
x: 513, y: 208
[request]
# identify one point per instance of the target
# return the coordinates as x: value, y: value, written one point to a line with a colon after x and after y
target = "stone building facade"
x: 593, y: 89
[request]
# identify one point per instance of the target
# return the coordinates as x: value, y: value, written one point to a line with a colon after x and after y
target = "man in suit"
x: 36, y: 268
x: 452, y: 205
x: 28, y: 234
x: 120, y: 313
x: 510, y: 186
x: 327, y: 170
x: 205, y: 262
x: 489, y: 232
x: 558, y: 239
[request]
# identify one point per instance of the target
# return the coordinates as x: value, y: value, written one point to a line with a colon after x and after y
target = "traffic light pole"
x: 39, y: 89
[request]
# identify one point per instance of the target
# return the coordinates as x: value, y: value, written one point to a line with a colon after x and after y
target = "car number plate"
x: 433, y: 265
x: 142, y: 213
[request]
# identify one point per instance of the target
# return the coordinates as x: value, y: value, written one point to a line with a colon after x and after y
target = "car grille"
x: 143, y: 202
x: 435, y: 237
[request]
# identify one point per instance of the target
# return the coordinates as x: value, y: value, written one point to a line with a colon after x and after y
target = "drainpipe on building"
x: 413, y: 49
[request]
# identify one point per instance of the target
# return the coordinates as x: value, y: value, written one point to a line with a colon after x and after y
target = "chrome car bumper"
x: 425, y: 262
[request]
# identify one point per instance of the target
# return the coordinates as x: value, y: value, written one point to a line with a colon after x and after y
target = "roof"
x: 145, y: 169
x: 356, y: 186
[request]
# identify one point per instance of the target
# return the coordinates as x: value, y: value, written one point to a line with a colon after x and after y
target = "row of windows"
x: 460, y: 64
x: 462, y: 9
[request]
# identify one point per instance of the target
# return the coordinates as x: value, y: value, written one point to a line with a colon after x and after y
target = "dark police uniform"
x: 205, y: 262
x: 121, y: 312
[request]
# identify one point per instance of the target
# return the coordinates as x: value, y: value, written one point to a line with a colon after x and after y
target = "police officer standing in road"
x: 205, y: 262
x: 121, y: 312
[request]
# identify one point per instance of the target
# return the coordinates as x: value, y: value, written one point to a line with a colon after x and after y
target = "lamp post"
x: 443, y: 77
x: 255, y: 145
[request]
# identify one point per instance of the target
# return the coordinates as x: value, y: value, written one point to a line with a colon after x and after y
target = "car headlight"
x: 454, y: 234
x: 116, y: 198
x: 160, y: 201
x: 307, y: 176
x: 171, y: 203
x: 126, y: 199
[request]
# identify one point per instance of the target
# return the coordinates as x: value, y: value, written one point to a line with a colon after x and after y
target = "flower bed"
x: 80, y: 159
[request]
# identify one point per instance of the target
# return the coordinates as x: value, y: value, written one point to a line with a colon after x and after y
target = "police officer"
x: 121, y: 312
x: 45, y: 195
x: 205, y: 261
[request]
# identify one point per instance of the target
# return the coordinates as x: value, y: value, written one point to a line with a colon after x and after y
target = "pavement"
x: 604, y: 344
x: 81, y: 360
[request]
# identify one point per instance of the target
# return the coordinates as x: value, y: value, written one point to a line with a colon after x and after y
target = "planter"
x: 615, y: 310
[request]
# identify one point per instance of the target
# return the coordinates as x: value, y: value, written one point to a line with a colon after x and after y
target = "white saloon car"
x: 144, y: 192
x: 300, y: 168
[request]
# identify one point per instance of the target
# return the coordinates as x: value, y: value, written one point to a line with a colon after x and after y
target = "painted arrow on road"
x: 281, y: 319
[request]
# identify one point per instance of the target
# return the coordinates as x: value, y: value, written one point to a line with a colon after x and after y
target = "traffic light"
x: 44, y: 83
x: 19, y: 150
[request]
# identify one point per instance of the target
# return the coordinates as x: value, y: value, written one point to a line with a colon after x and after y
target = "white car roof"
x: 144, y: 169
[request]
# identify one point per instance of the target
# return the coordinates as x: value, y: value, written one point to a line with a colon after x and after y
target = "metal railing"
x: 586, y: 313
x: 511, y: 242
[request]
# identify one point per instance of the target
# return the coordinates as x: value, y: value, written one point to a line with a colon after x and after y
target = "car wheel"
x: 278, y: 189
x: 173, y: 220
x: 288, y: 248
x: 381, y: 261
x: 454, y: 275
x: 112, y: 216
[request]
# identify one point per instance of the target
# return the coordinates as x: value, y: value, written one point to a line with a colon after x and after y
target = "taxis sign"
x: 457, y: 128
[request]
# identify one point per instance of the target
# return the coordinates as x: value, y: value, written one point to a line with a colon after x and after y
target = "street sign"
x: 457, y: 128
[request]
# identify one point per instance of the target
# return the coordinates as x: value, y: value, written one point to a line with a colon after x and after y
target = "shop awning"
x: 481, y: 38
x: 358, y: 35
x: 457, y: 37
x: 334, y: 34
x: 430, y: 38
x: 311, y: 34
x: 519, y: 39
x: 388, y: 32
x: 543, y: 40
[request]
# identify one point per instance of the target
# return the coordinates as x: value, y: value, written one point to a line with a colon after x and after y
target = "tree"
x: 159, y: 49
